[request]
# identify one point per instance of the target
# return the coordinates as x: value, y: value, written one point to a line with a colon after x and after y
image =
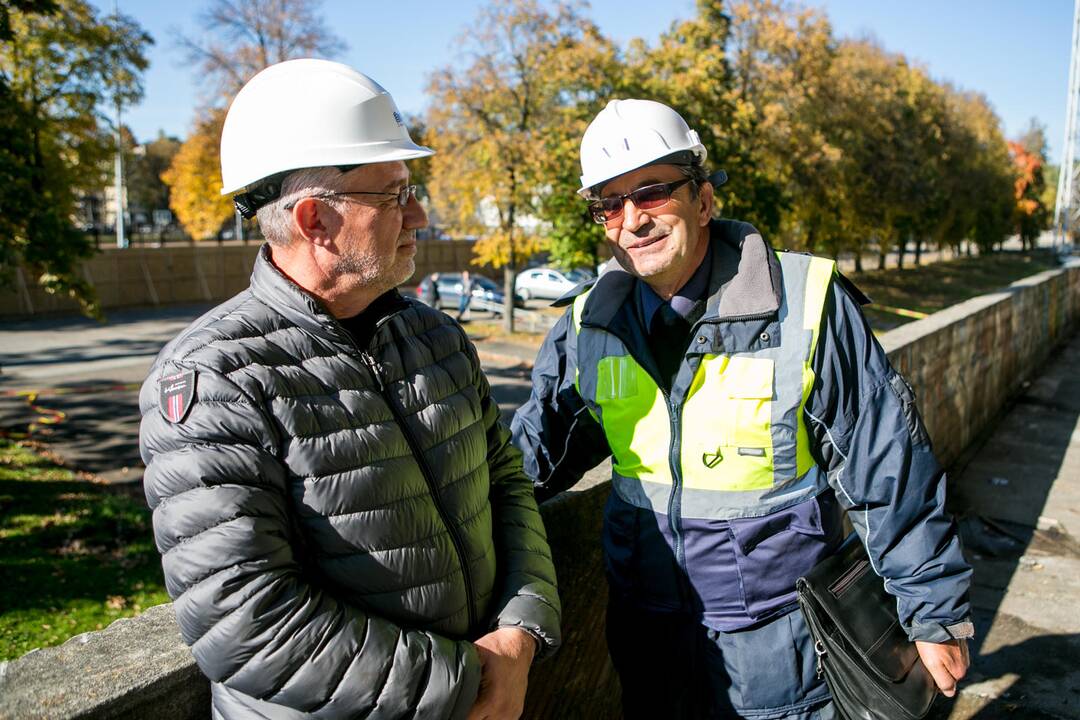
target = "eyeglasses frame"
x: 596, y: 210
x: 403, y: 195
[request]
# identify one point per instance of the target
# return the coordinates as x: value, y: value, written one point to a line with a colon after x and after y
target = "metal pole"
x: 1066, y: 206
x: 240, y: 220
x: 121, y: 240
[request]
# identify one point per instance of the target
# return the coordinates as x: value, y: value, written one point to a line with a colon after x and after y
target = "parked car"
x: 486, y: 293
x: 546, y: 283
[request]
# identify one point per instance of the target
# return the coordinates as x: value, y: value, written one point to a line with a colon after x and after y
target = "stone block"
x: 134, y: 669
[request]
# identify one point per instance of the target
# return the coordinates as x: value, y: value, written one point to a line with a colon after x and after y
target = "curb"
x: 489, y: 356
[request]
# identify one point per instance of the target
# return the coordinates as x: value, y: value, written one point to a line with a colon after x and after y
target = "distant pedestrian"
x: 466, y: 294
x: 428, y: 290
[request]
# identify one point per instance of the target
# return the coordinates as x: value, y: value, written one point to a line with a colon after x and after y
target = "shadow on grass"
x: 75, y: 555
x: 929, y: 288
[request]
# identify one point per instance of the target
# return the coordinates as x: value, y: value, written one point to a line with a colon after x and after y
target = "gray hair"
x: 275, y: 218
x: 697, y: 174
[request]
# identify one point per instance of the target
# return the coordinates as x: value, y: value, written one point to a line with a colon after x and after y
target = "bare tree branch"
x: 244, y: 36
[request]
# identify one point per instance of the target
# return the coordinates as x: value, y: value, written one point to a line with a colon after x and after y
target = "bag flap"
x: 854, y: 599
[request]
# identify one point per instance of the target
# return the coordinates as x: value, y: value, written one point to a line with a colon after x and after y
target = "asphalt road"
x: 73, y: 383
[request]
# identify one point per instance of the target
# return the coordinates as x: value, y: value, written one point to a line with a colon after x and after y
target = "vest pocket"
x: 772, y: 551
x: 616, y: 378
x: 727, y: 425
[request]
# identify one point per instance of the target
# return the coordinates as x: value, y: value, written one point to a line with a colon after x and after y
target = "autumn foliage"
x: 831, y: 145
x: 1031, y: 213
x: 194, y: 178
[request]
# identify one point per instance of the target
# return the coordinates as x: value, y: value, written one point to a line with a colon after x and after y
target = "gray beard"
x: 367, y: 271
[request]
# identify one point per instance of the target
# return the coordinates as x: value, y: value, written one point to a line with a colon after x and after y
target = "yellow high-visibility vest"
x: 734, y: 442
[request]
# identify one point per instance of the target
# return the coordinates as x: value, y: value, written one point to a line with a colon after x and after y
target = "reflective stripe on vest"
x: 744, y: 449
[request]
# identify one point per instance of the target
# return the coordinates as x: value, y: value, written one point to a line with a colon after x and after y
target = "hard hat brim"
x: 361, y: 154
x: 681, y: 157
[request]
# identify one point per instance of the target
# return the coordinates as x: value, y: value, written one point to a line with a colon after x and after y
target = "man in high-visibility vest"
x: 745, y: 405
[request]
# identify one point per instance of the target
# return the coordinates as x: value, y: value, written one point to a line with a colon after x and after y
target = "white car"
x: 548, y: 283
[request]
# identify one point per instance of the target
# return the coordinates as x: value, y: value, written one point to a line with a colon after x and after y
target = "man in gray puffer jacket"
x: 345, y: 527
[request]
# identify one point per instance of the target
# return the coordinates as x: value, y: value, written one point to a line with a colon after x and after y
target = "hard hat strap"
x: 265, y: 192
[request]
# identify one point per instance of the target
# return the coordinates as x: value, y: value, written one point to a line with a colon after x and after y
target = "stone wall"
x: 967, y: 360
x: 202, y: 273
x: 964, y: 363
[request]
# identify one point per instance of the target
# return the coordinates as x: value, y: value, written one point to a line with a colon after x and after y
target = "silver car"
x: 546, y: 283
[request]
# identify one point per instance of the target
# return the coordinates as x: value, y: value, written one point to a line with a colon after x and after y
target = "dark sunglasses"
x: 650, y: 197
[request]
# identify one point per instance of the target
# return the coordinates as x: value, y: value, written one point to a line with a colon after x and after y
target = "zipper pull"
x: 820, y: 652
x: 369, y: 360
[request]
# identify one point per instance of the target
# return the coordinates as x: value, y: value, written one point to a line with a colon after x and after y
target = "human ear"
x: 308, y: 221
x: 705, y: 196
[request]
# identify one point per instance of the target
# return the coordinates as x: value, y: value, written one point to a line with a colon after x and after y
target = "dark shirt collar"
x: 362, y: 326
x: 685, y: 298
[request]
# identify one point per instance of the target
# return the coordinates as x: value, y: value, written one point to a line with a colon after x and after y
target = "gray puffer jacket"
x: 336, y: 523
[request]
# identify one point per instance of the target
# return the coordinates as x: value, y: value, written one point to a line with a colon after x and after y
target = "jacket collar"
x: 272, y: 287
x: 744, y: 280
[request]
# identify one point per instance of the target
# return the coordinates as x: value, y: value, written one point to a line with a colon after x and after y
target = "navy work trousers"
x: 672, y: 666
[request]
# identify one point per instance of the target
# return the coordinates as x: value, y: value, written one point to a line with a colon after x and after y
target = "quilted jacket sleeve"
x: 867, y: 433
x: 230, y: 555
x: 560, y: 438
x: 527, y: 596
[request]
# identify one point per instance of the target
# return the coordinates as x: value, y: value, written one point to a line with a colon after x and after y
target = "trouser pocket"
x: 766, y: 672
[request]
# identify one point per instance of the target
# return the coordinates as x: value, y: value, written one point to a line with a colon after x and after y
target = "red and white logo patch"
x: 176, y: 395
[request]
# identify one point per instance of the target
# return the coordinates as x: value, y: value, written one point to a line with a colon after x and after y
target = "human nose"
x: 413, y: 215
x: 632, y: 217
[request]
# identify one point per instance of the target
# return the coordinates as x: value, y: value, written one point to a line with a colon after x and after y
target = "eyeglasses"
x: 609, y: 209
x: 402, y: 196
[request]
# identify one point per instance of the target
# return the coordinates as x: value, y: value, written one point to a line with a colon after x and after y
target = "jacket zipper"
x: 425, y: 470
x: 845, y: 581
x: 674, y: 450
x: 675, y: 499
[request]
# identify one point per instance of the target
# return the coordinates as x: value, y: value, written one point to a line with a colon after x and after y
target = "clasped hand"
x: 505, y: 657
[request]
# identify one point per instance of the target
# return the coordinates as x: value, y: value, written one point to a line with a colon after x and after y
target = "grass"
x: 74, y: 555
x: 929, y: 288
x: 924, y: 290
x: 492, y: 331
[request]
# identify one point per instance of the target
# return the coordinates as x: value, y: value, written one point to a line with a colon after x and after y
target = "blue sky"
x: 1014, y: 52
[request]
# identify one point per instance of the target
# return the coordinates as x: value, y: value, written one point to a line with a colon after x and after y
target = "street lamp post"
x: 121, y: 239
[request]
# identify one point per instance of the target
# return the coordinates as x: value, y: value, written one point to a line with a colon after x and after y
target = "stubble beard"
x: 370, y: 270
x: 642, y: 267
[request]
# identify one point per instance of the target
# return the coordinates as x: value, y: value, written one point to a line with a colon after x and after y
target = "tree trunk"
x: 37, y: 171
x: 918, y: 251
x: 508, y: 273
x: 901, y: 246
x: 508, y: 301
x: 881, y: 259
x: 858, y: 261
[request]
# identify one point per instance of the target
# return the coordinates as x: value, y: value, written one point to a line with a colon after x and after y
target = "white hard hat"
x: 310, y: 113
x: 629, y: 134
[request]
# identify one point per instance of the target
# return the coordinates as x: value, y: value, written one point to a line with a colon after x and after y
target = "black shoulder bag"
x: 873, y: 671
